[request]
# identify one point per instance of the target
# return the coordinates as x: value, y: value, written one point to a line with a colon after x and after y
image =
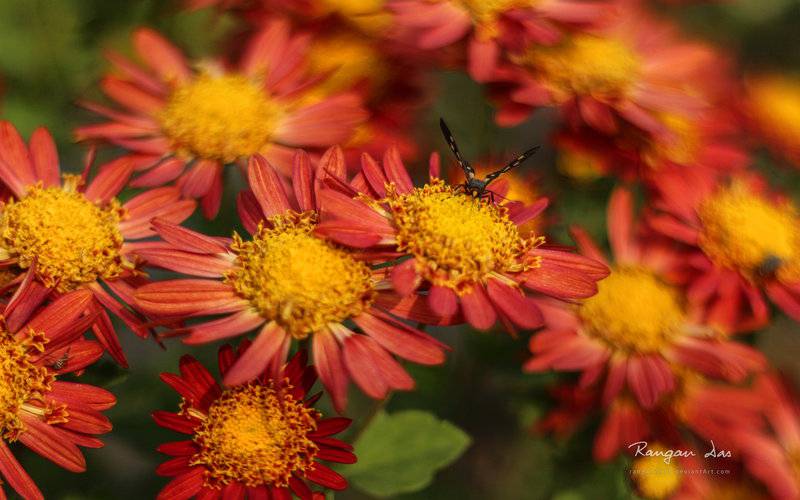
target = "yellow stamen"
x: 633, y: 311
x: 742, y: 230
x: 456, y: 240
x: 775, y: 105
x: 298, y: 280
x: 72, y: 240
x: 485, y: 13
x: 22, y: 381
x: 219, y: 118
x: 585, y: 65
x: 255, y: 435
x: 654, y: 478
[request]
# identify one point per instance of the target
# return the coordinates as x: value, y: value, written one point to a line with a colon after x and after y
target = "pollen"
x: 742, y: 230
x: 456, y: 240
x: 633, y: 311
x: 255, y: 435
x: 485, y: 13
x: 219, y: 118
x: 298, y: 280
x: 72, y: 240
x: 22, y: 380
x: 586, y: 65
x: 654, y: 478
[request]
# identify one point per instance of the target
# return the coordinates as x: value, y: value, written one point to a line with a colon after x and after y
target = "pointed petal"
x: 267, y: 187
x: 256, y: 358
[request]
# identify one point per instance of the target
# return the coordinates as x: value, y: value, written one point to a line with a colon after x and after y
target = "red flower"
x: 468, y: 254
x: 629, y: 72
x: 742, y: 241
x: 176, y: 117
x: 636, y: 331
x: 263, y: 439
x: 292, y: 285
x: 51, y: 417
x: 60, y: 235
x: 490, y: 26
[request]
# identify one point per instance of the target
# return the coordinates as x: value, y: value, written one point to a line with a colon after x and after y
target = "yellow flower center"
x: 653, y: 477
x: 72, y: 240
x: 255, y: 435
x: 298, y: 280
x: 456, y: 240
x: 348, y: 59
x: 746, y: 232
x: 633, y: 311
x: 776, y: 106
x: 585, y: 65
x: 219, y: 118
x: 486, y: 11
x: 20, y: 380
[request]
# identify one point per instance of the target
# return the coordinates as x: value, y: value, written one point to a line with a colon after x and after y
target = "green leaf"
x: 400, y: 453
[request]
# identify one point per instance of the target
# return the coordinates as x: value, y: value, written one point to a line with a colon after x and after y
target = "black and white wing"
x: 469, y: 172
x: 511, y: 165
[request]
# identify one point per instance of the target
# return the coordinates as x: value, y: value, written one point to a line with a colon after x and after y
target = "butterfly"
x: 475, y: 187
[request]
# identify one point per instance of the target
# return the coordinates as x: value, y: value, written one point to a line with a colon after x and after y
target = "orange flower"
x: 60, y: 235
x: 489, y: 25
x: 468, y: 254
x: 185, y: 124
x: 631, y: 71
x: 263, y: 439
x: 51, y: 417
x: 292, y: 285
x: 637, y: 328
x: 743, y: 242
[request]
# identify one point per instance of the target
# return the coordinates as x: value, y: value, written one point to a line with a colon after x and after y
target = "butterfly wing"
x: 469, y: 172
x: 511, y: 165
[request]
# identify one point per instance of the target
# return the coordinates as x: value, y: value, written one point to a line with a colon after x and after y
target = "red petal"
x: 303, y: 181
x: 182, y: 297
x: 184, y: 486
x: 255, y: 359
x: 324, y: 476
x: 267, y: 187
x: 402, y: 340
x: 404, y: 277
x: 166, y: 61
x: 49, y: 443
x: 186, y: 239
x: 395, y: 170
x: 331, y: 369
x: 45, y: 157
x: 16, y: 476
x: 372, y: 368
x: 514, y: 304
x: 478, y: 309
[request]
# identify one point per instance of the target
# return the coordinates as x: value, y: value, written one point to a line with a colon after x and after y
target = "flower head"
x: 292, y: 284
x: 49, y: 252
x: 616, y: 76
x: 743, y: 241
x: 469, y: 253
x: 49, y: 416
x: 638, y: 329
x: 489, y: 25
x: 263, y: 436
x: 185, y: 124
